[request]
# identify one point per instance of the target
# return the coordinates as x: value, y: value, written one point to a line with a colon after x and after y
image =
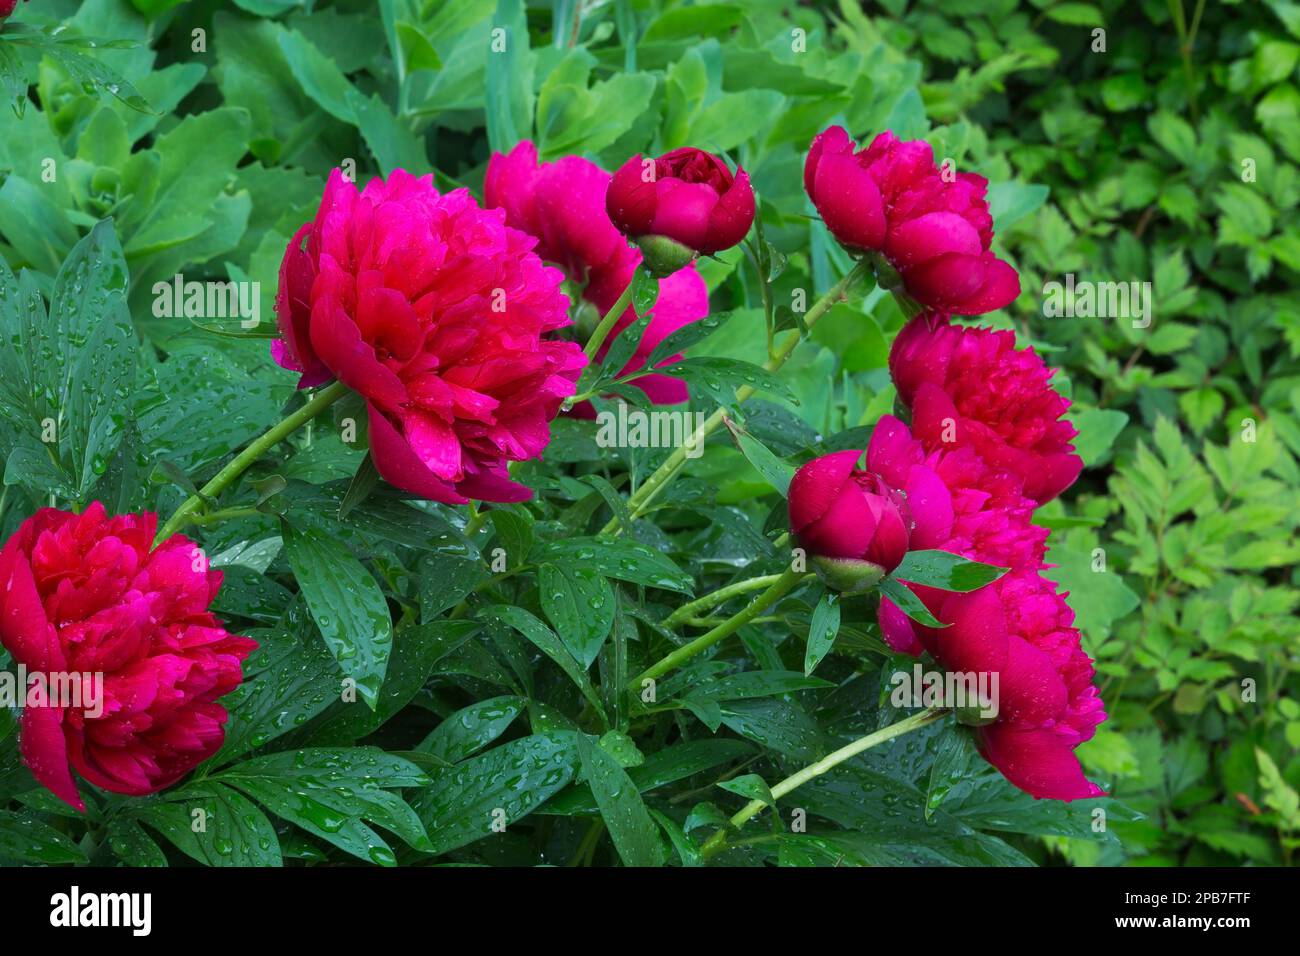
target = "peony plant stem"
x: 273, y: 436
x: 718, y: 841
x: 779, y: 588
x: 608, y: 322
x: 653, y: 485
x: 720, y: 596
x: 225, y: 514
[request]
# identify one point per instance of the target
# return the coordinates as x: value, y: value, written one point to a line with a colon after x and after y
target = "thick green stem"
x: 318, y: 403
x: 477, y: 518
x: 608, y: 322
x: 225, y: 514
x: 720, y: 596
x: 653, y: 485
x: 779, y: 588
x: 718, y: 841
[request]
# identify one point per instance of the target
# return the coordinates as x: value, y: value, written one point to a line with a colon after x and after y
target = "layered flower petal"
x: 973, y: 387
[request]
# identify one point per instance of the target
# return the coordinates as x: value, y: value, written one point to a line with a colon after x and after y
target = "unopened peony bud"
x: 691, y: 200
x: 854, y: 526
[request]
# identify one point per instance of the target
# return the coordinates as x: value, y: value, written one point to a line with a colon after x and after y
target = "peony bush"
x: 444, y: 438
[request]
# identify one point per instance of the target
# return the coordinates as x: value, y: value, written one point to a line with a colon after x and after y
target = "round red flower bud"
x: 846, y: 518
x: 927, y: 228
x: 120, y: 636
x: 683, y: 204
x: 7, y: 7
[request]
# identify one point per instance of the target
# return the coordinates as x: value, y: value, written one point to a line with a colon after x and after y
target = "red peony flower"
x: 935, y: 229
x: 687, y: 197
x: 563, y: 205
x: 1021, y: 628
x: 85, y: 598
x: 435, y: 312
x: 849, y: 517
x: 973, y: 387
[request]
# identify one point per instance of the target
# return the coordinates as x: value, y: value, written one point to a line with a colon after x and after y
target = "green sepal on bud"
x: 585, y: 318
x: 847, y: 575
x: 663, y: 256
x: 887, y: 277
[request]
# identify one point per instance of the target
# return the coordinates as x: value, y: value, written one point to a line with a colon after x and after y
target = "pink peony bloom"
x: 973, y: 387
x: 436, y: 312
x: 84, y: 596
x: 683, y: 299
x: 934, y: 229
x: 1018, y: 627
x: 563, y: 205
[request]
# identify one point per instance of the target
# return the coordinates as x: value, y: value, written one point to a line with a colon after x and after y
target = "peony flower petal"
x: 401, y: 467
x: 817, y: 484
x: 45, y: 752
x: 25, y: 630
x: 1038, y: 762
x: 849, y: 201
x: 337, y: 340
x: 683, y: 211
x: 1001, y: 287
x: 632, y: 199
x: 732, y: 217
x: 947, y: 281
x: 1031, y: 690
x: 925, y: 237
x: 976, y: 638
x: 929, y: 503
x: 897, y: 630
x: 848, y: 528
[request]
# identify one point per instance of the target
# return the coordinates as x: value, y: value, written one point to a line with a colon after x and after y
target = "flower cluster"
x: 443, y: 316
x: 988, y: 444
x: 994, y: 464
x: 89, y: 605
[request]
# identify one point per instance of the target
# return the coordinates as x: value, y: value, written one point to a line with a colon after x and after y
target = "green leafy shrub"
x: 495, y: 719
